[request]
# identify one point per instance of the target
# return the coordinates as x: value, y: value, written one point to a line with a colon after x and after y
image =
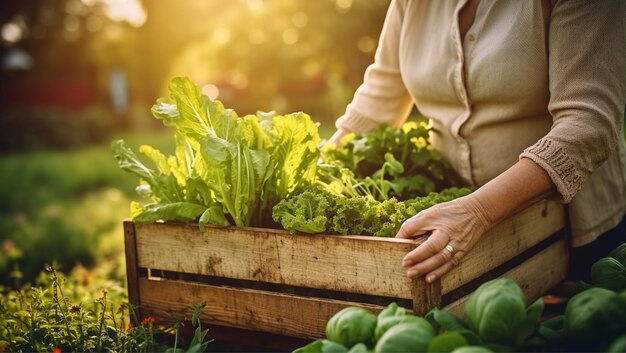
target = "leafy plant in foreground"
x: 227, y: 170
x: 60, y: 314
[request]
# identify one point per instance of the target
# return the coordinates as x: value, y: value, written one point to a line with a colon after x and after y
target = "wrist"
x: 476, y: 207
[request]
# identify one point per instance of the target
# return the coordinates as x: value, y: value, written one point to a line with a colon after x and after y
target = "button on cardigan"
x: 537, y: 79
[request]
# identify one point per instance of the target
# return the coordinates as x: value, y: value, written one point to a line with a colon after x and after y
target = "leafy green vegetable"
x: 387, y: 163
x: 405, y: 337
x: 608, y: 273
x: 618, y: 345
x: 391, y: 310
x: 226, y: 169
x: 322, y: 346
x: 619, y: 254
x: 350, y: 326
x: 359, y: 348
x: 472, y: 349
x: 445, y: 321
x: 497, y: 312
x: 447, y: 342
x: 386, y: 323
x: 594, y: 318
x: 362, y: 215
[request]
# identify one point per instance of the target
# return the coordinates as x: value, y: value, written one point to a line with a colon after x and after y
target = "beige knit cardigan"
x: 544, y: 80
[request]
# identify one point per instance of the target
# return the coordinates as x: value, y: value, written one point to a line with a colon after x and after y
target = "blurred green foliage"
x: 65, y: 207
x: 38, y: 128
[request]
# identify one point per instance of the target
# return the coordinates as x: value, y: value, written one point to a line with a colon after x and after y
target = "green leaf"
x: 214, y: 216
x: 447, y: 342
x: 533, y: 312
x: 181, y: 211
x: 446, y: 321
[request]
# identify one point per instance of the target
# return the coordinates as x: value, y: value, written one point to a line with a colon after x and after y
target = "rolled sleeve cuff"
x: 354, y: 122
x: 550, y: 156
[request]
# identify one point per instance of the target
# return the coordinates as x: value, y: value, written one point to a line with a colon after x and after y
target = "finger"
x: 413, y: 226
x: 430, y: 247
x: 445, y: 268
x: 430, y: 264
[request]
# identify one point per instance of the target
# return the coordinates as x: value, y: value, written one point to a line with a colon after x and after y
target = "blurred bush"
x: 65, y: 206
x: 30, y: 129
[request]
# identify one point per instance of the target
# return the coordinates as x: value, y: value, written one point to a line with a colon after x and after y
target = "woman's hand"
x: 454, y: 228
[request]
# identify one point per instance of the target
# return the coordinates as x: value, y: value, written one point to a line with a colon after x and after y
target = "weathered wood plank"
x: 357, y: 264
x: 505, y: 241
x: 132, y: 275
x: 245, y: 308
x: 535, y: 276
x: 365, y: 265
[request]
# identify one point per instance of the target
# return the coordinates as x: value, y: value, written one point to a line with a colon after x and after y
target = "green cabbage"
x: 385, y: 323
x: 594, y: 317
x: 350, y: 326
x: 608, y: 273
x: 497, y: 312
x: 405, y: 337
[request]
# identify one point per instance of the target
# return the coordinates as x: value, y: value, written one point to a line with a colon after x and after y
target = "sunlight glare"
x: 71, y: 23
x: 130, y: 11
x: 93, y: 23
x: 343, y: 6
x: 366, y: 44
x: 290, y: 36
x: 255, y: 5
x: 300, y: 19
x: 237, y: 79
x: 211, y: 91
x: 256, y: 36
x: 11, y: 32
x: 221, y: 35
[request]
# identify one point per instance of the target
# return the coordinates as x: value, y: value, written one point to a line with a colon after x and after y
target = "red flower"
x: 57, y: 350
x: 148, y: 320
x: 130, y: 326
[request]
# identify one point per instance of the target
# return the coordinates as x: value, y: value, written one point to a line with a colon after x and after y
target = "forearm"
x: 513, y: 190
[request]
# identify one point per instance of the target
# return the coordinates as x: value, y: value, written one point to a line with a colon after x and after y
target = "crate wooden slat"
x: 239, y: 307
x: 271, y: 281
x: 535, y: 276
x: 506, y: 240
x: 266, y: 255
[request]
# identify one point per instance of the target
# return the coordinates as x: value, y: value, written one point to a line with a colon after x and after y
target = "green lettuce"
x: 227, y: 170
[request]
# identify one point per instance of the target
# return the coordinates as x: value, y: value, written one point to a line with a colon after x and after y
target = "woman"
x: 526, y: 100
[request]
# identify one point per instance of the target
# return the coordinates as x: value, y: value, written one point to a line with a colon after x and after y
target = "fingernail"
x: 412, y: 273
x: 430, y: 278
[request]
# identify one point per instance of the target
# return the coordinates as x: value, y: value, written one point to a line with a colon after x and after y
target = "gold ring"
x: 450, y: 248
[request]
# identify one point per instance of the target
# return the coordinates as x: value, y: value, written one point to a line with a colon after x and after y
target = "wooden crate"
x: 276, y: 283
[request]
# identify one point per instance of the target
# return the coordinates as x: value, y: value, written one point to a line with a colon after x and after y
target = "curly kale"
x: 318, y: 210
x: 306, y: 212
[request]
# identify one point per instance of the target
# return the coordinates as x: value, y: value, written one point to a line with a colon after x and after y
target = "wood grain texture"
x: 535, y: 276
x: 357, y: 264
x: 245, y: 308
x: 132, y: 275
x: 508, y: 239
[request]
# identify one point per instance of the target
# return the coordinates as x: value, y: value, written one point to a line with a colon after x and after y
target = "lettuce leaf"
x: 226, y: 169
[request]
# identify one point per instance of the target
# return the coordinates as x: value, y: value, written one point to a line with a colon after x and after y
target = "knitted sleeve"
x: 587, y: 72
